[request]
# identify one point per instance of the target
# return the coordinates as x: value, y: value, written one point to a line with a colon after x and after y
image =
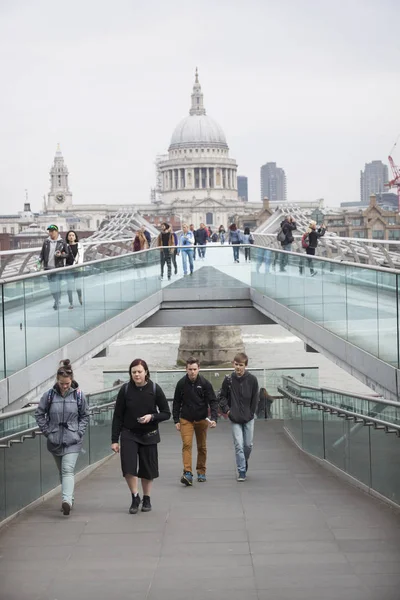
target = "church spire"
x: 197, y: 98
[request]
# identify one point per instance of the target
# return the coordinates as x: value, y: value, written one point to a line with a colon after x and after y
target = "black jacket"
x: 61, y: 246
x: 239, y: 396
x: 201, y: 236
x: 287, y: 229
x: 313, y: 237
x: 134, y: 402
x: 192, y: 399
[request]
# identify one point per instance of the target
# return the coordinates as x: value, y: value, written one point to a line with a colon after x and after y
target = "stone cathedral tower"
x: 59, y: 197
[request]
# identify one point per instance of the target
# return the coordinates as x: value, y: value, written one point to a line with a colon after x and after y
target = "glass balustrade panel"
x: 293, y: 422
x: 72, y: 315
x: 356, y: 451
x: 3, y: 483
x: 42, y: 321
x: 94, y: 306
x: 362, y: 308
x: 388, y: 342
x: 336, y: 440
x: 22, y: 474
x: 312, y: 431
x: 2, y: 350
x: 385, y: 464
x: 100, y: 434
x: 334, y: 298
x: 14, y: 327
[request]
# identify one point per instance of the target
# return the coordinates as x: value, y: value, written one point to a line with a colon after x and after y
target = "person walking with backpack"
x: 235, y: 238
x: 166, y: 241
x: 285, y: 236
x: 309, y: 241
x: 194, y: 396
x: 52, y: 256
x: 62, y: 416
x: 141, y: 405
x: 221, y: 234
x: 202, y: 236
x: 186, y: 245
x: 174, y: 254
x: 238, y: 399
x: 247, y: 239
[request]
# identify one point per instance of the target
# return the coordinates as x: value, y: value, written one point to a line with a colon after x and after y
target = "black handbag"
x: 146, y: 439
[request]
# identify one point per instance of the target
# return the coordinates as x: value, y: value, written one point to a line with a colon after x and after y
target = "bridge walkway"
x: 292, y: 531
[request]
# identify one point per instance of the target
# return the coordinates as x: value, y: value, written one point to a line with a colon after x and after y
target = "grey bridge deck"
x: 292, y: 531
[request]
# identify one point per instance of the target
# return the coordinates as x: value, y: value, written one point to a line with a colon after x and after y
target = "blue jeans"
x: 235, y: 251
x: 187, y: 254
x: 66, y: 468
x: 202, y: 251
x: 243, y: 442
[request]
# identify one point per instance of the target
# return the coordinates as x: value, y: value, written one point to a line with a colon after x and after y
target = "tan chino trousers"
x: 200, y: 429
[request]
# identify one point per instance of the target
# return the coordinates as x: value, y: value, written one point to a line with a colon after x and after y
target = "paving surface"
x: 292, y: 531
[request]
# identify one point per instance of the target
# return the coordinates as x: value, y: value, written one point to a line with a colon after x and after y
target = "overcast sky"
x: 313, y: 85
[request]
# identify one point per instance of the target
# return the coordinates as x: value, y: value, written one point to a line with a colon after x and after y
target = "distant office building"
x: 273, y: 183
x: 243, y: 191
x: 372, y: 180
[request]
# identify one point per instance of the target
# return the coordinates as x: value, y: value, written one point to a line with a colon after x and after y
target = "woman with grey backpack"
x: 62, y: 416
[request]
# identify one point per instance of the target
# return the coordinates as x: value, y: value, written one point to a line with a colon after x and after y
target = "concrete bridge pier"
x: 214, y: 345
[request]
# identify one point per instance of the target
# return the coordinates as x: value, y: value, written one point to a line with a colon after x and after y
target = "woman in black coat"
x: 140, y: 406
x: 312, y: 237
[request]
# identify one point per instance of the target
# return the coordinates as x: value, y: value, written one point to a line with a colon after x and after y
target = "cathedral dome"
x: 198, y: 130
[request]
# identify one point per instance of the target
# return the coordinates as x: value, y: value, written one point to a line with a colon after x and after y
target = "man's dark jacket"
x: 201, y: 236
x: 192, y: 399
x: 239, y: 396
x: 61, y: 246
x: 287, y: 229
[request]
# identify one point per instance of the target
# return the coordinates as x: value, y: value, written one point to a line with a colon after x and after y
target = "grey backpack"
x: 281, y: 237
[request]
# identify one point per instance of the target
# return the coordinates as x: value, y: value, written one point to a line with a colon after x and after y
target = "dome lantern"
x: 198, y: 130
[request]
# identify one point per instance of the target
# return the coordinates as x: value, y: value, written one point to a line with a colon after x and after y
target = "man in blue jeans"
x: 238, y: 399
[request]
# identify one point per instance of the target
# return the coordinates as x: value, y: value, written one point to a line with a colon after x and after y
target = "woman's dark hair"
x: 233, y: 227
x: 246, y: 231
x: 71, y: 231
x: 65, y: 369
x: 136, y: 363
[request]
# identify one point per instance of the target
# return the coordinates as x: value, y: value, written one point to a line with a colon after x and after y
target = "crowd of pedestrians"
x: 62, y: 416
x: 190, y: 244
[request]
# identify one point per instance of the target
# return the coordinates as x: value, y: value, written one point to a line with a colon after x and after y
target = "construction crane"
x: 395, y: 182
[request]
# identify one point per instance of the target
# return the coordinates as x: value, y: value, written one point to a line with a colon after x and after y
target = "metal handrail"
x: 371, y: 398
x: 83, y: 242
x: 343, y: 412
x: 16, y: 413
x: 100, y: 241
x: 21, y: 436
